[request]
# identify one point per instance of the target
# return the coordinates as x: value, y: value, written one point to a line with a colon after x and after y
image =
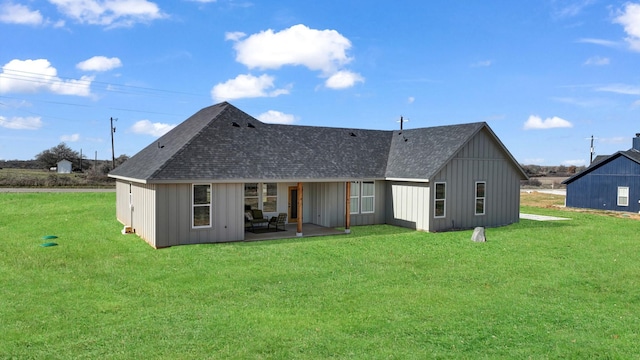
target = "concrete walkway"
x: 541, y: 217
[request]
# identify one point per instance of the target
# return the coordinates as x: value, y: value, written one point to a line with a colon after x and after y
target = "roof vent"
x: 235, y: 124
x: 250, y: 125
x: 352, y: 134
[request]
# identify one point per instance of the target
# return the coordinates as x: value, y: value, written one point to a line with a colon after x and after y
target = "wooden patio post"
x: 347, y: 212
x: 299, y: 228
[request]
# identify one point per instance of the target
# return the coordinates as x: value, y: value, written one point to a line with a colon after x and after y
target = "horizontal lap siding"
x: 480, y: 160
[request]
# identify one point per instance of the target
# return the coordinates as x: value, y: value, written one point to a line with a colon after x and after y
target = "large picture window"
x: 480, y: 197
x: 263, y: 196
x: 201, y: 209
x: 363, y: 195
x: 440, y: 200
x: 623, y: 196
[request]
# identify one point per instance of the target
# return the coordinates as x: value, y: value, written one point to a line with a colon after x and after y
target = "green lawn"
x: 537, y: 290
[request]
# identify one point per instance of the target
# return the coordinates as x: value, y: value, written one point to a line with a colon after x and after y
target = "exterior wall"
x: 598, y: 189
x: 327, y: 205
x: 408, y: 204
x: 135, y: 207
x: 174, y: 215
x: 479, y: 160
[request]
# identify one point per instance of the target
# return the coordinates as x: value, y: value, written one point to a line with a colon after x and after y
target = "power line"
x: 47, y: 79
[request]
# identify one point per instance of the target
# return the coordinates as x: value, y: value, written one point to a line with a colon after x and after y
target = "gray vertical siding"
x: 480, y: 160
x: 174, y: 215
x: 327, y: 205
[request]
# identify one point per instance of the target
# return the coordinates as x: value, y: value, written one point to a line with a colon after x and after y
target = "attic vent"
x: 235, y: 124
x: 250, y: 125
x: 352, y: 134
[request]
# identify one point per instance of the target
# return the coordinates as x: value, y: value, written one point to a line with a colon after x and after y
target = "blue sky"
x: 546, y: 75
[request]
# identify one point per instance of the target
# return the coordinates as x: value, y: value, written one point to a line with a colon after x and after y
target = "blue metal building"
x: 609, y: 183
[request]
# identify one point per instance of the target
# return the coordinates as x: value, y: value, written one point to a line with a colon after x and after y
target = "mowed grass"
x: 568, y: 289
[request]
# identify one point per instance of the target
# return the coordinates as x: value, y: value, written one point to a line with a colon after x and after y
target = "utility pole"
x: 592, y: 149
x: 113, y: 153
x: 402, y: 121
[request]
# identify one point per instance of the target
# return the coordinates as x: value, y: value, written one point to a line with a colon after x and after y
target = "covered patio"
x: 290, y: 232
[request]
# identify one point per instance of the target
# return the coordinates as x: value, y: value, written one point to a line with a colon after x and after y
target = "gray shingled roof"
x: 221, y: 143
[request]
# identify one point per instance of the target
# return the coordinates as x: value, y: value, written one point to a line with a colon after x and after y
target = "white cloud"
x: 343, y: 79
x: 576, y: 162
x: 110, y: 13
x: 597, y: 61
x: 566, y: 9
x: 602, y: 42
x: 621, y: 89
x: 535, y: 122
x: 32, y: 76
x: 411, y: 100
x: 70, y: 138
x: 99, y: 63
x: 276, y: 117
x: 11, y: 13
x: 323, y: 50
x: 146, y: 127
x: 234, y: 36
x: 629, y: 18
x: 246, y: 86
x: 484, y: 63
x: 21, y: 123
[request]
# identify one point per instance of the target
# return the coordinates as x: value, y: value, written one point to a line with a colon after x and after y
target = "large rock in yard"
x: 478, y: 235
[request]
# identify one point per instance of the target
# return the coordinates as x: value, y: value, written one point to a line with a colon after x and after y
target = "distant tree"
x: 49, y: 158
x: 106, y: 167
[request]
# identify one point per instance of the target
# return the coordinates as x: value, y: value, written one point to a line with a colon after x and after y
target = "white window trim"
x: 359, y: 196
x: 261, y: 196
x: 484, y: 199
x: 362, y: 196
x: 355, y: 195
x: 435, y: 200
x: 626, y: 196
x: 193, y: 206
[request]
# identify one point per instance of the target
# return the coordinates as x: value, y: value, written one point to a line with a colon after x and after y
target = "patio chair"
x: 278, y: 222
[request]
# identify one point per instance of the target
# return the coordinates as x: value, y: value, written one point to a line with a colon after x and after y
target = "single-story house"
x: 609, y: 183
x: 64, y: 166
x: 194, y: 183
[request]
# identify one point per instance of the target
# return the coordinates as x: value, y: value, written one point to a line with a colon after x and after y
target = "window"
x: 439, y: 208
x: 363, y: 195
x: 355, y: 197
x: 623, y: 196
x: 368, y: 196
x: 270, y: 197
x: 201, y: 213
x: 480, y: 196
x: 263, y: 196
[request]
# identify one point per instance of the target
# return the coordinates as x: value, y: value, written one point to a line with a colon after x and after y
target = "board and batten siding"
x: 174, y: 215
x: 328, y: 205
x: 481, y: 159
x: 408, y: 204
x: 135, y: 207
x: 598, y: 189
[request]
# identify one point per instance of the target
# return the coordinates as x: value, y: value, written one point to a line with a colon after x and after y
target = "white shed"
x: 64, y: 166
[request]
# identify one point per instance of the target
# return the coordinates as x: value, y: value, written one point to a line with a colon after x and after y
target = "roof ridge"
x: 186, y: 144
